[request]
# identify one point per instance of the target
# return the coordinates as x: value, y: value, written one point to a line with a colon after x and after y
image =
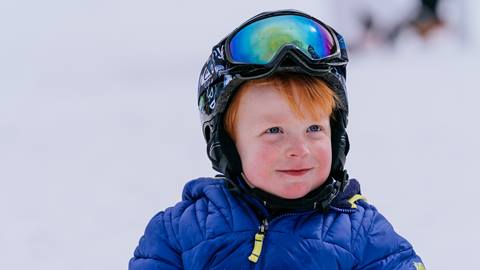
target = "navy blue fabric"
x: 212, y: 229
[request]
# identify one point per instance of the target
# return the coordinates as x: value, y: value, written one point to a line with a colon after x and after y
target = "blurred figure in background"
x: 371, y: 24
x: 425, y: 21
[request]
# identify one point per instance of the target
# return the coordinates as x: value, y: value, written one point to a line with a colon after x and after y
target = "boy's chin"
x: 292, y: 193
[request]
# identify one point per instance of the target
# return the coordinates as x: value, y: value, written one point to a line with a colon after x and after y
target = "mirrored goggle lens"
x: 260, y: 41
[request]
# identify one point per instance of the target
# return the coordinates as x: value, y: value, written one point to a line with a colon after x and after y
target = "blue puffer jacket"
x: 212, y: 229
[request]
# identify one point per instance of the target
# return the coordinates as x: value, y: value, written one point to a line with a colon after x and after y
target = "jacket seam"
x: 317, y: 239
x: 375, y: 214
x: 337, y: 245
x: 219, y: 209
x: 230, y: 224
x: 197, y: 216
x: 212, y: 238
x: 362, y: 225
x: 385, y: 257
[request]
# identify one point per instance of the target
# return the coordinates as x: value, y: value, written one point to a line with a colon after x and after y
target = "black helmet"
x: 320, y: 52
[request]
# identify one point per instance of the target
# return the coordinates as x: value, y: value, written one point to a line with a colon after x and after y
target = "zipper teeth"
x: 289, y: 214
x: 264, y: 225
x: 342, y: 210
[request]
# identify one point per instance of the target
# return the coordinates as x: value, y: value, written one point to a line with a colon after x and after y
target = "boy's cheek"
x: 260, y: 159
x: 264, y: 154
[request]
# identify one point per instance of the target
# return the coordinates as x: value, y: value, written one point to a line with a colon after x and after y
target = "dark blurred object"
x: 426, y: 21
x: 371, y: 24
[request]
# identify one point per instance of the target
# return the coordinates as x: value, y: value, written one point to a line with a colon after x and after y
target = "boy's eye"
x: 314, y: 128
x: 273, y: 130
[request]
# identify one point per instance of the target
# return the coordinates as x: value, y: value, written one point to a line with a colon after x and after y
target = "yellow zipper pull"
x: 257, y: 246
x: 354, y: 199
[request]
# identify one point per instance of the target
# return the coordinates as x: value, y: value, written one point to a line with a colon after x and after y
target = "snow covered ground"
x: 99, y: 128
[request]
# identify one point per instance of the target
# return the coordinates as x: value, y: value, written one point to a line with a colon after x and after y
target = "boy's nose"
x: 297, y: 148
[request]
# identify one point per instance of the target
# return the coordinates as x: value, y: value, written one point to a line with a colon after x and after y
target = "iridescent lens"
x: 259, y: 42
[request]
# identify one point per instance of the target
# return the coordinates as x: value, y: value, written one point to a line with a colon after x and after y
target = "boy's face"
x: 281, y: 153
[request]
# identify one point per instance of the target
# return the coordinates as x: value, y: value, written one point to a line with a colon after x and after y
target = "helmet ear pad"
x: 340, y: 143
x: 234, y: 165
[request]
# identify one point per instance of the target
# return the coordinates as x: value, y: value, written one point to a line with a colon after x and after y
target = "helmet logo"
x: 206, y: 75
x: 211, y: 97
x: 218, y: 52
x: 213, y: 67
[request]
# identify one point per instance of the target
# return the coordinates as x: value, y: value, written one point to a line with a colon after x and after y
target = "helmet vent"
x: 207, y: 133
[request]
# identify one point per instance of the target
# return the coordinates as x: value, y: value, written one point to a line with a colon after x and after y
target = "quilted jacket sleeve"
x: 158, y: 248
x: 380, y: 247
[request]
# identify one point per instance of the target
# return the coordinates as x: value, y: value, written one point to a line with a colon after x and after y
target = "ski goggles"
x: 263, y: 39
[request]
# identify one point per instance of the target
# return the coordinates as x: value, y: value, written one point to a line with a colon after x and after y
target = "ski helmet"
x: 312, y: 48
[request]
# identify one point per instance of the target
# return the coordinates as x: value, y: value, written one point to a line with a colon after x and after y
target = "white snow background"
x: 99, y: 128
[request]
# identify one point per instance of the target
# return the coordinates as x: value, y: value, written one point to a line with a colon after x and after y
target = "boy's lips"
x: 297, y: 172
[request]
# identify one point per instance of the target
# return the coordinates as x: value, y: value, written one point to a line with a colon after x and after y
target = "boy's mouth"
x: 299, y: 172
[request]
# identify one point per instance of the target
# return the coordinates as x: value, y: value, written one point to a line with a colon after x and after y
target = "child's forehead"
x: 276, y: 109
x: 266, y: 97
x: 267, y: 89
x: 270, y: 92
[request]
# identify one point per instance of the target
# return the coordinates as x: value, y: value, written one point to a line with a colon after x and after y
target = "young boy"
x: 274, y: 111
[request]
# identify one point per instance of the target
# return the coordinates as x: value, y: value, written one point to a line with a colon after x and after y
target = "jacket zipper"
x: 258, y: 245
x: 260, y: 236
